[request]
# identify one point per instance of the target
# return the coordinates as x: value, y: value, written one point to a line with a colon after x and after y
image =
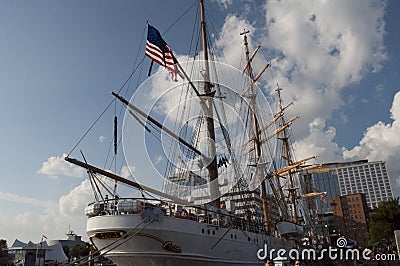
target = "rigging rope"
x: 135, y: 68
x: 180, y: 17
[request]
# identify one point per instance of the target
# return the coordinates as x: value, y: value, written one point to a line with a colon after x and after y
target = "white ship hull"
x: 199, y: 243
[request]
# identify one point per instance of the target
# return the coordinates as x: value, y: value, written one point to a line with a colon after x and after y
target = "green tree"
x: 80, y: 250
x: 67, y: 251
x: 383, y: 221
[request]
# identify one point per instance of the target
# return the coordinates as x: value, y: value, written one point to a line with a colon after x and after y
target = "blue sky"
x: 59, y: 61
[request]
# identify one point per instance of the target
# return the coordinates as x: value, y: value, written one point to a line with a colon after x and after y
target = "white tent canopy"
x: 54, y: 252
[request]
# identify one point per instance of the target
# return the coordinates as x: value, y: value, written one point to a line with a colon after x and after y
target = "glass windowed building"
x: 326, y: 180
x: 370, y: 178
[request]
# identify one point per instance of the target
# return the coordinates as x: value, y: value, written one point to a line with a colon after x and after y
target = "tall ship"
x: 224, y: 184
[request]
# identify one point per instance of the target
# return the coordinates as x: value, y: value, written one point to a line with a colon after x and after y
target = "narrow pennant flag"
x: 158, y: 51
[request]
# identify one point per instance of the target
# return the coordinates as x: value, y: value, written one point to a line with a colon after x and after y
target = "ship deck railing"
x: 212, y: 216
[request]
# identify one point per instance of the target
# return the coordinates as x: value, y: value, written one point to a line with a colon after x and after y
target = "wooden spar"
x: 288, y: 158
x: 261, y: 130
x: 279, y: 196
x: 276, y: 117
x: 285, y: 170
x: 261, y: 72
x: 251, y: 58
x: 270, y: 123
x: 155, y: 122
x: 292, y: 166
x: 204, y: 38
x: 94, y: 169
x: 308, y: 195
x: 312, y: 194
x: 256, y: 139
x: 283, y: 109
x: 279, y: 130
x: 186, y: 75
x: 138, y: 120
x: 254, y: 80
x: 302, y: 169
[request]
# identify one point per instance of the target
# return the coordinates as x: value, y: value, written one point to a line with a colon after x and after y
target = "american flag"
x: 158, y: 50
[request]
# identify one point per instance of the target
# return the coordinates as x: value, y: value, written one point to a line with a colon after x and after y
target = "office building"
x: 370, y: 178
x: 325, y: 179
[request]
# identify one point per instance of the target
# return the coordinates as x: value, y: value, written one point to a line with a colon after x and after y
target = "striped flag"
x: 158, y: 51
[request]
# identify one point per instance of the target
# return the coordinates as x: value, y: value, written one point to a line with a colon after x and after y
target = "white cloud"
x: 224, y: 3
x: 74, y: 203
x: 320, y: 143
x: 5, y: 196
x: 319, y: 52
x: 51, y: 218
x: 56, y: 166
x: 35, y: 217
x: 230, y: 41
x: 316, y: 55
x: 381, y: 142
x: 126, y: 171
x: 158, y: 159
x: 334, y: 41
x: 48, y: 221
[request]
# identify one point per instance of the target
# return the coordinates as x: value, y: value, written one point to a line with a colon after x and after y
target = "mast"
x: 207, y: 106
x: 287, y: 157
x: 256, y: 132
